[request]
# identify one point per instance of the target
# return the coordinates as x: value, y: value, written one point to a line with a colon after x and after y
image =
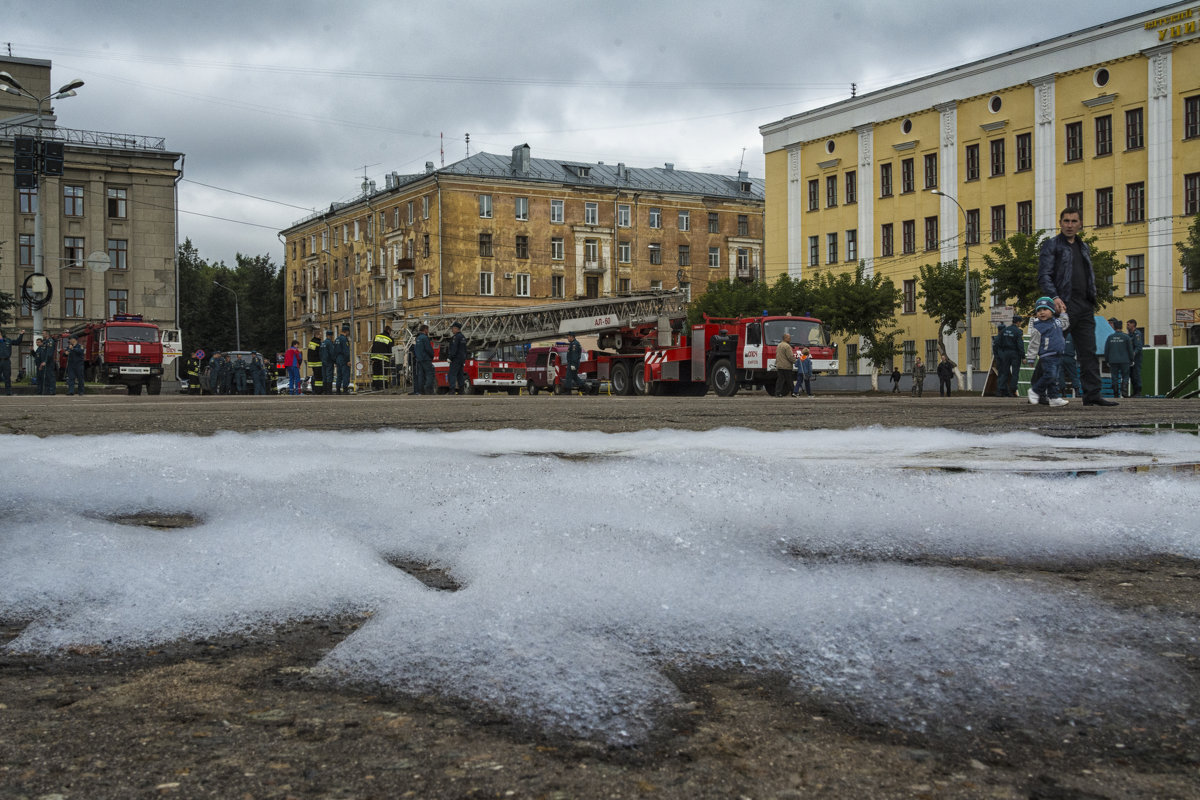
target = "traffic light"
x: 52, y: 158
x: 25, y: 162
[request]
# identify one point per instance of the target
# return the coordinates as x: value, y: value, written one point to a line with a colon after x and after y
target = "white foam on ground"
x: 592, y: 562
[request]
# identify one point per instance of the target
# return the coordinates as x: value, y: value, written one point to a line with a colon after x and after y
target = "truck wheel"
x: 469, y: 388
x: 532, y: 389
x: 723, y: 379
x: 638, y: 377
x: 620, y: 379
x: 134, y: 388
x: 154, y: 386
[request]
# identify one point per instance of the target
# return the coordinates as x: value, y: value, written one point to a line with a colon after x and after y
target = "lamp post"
x: 967, y: 268
x: 10, y: 85
x: 237, y: 323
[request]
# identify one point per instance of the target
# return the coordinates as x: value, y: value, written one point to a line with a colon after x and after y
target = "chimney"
x: 520, y: 159
x: 387, y: 181
x: 372, y: 187
x: 670, y: 167
x: 621, y: 173
x: 428, y: 167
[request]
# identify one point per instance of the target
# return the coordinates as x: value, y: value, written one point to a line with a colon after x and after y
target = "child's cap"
x: 1044, y: 302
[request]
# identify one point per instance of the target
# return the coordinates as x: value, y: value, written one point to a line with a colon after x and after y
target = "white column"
x: 795, y: 216
x: 950, y: 216
x: 1160, y: 255
x: 1045, y: 165
x: 866, y: 197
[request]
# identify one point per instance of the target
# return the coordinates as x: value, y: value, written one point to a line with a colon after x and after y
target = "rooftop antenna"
x: 854, y: 90
x: 366, y: 182
x: 742, y: 160
x: 442, y: 147
x: 468, y: 145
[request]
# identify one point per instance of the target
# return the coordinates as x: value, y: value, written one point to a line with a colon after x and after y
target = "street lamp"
x: 10, y: 85
x: 237, y: 323
x: 967, y: 268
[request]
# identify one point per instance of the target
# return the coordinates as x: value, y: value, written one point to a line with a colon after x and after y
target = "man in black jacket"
x: 1065, y: 273
x: 457, y: 354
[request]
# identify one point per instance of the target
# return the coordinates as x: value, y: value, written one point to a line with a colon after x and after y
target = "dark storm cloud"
x: 293, y: 101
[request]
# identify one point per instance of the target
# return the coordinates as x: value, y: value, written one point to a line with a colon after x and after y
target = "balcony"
x: 747, y: 273
x: 596, y: 267
x: 404, y: 265
x: 299, y: 289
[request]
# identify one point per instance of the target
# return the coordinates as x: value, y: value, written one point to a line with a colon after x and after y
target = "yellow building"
x: 108, y: 221
x: 1106, y: 119
x: 508, y: 231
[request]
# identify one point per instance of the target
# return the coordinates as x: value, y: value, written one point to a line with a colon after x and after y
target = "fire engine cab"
x: 124, y: 350
x: 497, y: 369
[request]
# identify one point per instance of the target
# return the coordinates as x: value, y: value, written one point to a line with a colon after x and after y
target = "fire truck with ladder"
x: 124, y: 350
x: 642, y: 346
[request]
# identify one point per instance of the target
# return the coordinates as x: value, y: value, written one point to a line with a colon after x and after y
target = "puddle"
x: 560, y: 455
x: 432, y: 576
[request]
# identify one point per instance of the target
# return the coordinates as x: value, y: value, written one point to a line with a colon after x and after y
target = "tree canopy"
x: 1012, y: 266
x: 942, y: 289
x: 252, y: 300
x: 1189, y: 253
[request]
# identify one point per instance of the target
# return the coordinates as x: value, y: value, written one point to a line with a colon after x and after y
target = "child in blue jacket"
x: 1046, y: 342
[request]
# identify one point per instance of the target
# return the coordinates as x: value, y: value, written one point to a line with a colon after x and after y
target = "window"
x: 1135, y: 274
x: 996, y: 147
x: 28, y: 201
x: 851, y: 359
x: 685, y: 255
x: 885, y: 180
x: 357, y: 235
x: 1074, y: 141
x: 25, y: 249
x: 73, y: 201
x: 1104, y: 135
x: 624, y: 252
x: 117, y: 203
x: 411, y: 209
x: 851, y: 187
x: 1104, y: 207
x: 714, y: 257
x: 485, y: 209
x: 973, y: 226
x: 118, y: 253
x: 1025, y: 217
x: 556, y: 211
x: 520, y: 208
x: 73, y: 302
x: 485, y: 245
x: 623, y: 216
x: 1075, y: 201
x: 907, y: 180
x: 623, y: 286
x: 486, y: 284
x: 1191, y: 193
x: 831, y: 244
x: 685, y: 220
x: 852, y: 245
x: 1135, y: 129
x: 931, y: 353
x: 743, y: 225
x: 522, y: 247
x: 908, y: 230
x: 591, y: 286
x: 425, y: 207
x: 931, y: 233
x: 910, y: 296
x: 556, y: 249
x: 909, y: 348
x: 999, y: 221
x: 558, y: 286
x: 591, y: 213
x: 974, y: 354
x: 591, y: 253
x: 425, y: 286
x: 931, y: 176
x: 972, y: 162
x: 1191, y: 117
x: 656, y: 218
x: 886, y: 235
x: 814, y: 194
x: 73, y: 251
x: 118, y: 301
x: 1135, y: 202
x: 425, y: 245
x: 714, y: 225
x: 814, y: 251
x: 656, y: 254
x: 831, y: 187
x: 1024, y: 152
x: 522, y: 284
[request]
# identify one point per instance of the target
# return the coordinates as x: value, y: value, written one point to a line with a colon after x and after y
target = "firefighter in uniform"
x: 457, y: 355
x: 314, y: 362
x: 6, y: 346
x: 192, y: 370
x: 571, y: 380
x: 341, y: 357
x: 326, y: 352
x: 74, y: 366
x: 381, y: 355
x: 258, y: 373
x: 423, y: 377
x: 48, y: 369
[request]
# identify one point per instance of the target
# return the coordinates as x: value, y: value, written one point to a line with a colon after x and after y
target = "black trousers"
x: 1083, y: 334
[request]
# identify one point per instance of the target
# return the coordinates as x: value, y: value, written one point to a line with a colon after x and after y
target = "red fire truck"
x: 123, y: 350
x: 499, y: 369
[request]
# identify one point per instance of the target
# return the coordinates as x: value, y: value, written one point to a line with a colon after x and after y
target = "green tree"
x: 1189, y: 253
x: 730, y: 299
x: 941, y: 288
x: 859, y: 307
x: 210, y: 316
x: 1012, y: 267
x: 7, y: 301
x: 1106, y: 265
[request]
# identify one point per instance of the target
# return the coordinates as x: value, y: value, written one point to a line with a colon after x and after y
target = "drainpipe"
x: 441, y: 246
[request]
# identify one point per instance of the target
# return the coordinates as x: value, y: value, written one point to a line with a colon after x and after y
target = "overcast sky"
x: 279, y: 106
